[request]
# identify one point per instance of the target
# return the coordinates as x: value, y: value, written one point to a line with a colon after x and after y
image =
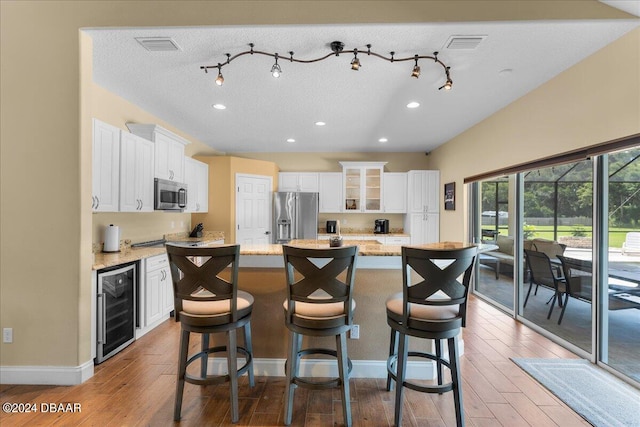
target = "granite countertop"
x: 129, y: 254
x: 394, y: 232
x: 366, y: 247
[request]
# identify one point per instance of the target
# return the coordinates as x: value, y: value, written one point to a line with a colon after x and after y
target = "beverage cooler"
x: 116, y: 310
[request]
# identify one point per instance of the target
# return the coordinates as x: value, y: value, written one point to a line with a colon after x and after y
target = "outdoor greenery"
x: 565, y: 192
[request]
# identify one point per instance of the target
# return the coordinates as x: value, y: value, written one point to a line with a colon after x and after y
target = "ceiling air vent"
x: 158, y: 44
x: 464, y: 42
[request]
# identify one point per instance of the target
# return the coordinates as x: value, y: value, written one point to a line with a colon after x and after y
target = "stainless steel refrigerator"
x: 295, y: 216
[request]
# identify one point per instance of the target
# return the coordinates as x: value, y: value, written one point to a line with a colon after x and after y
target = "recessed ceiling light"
x: 219, y: 106
x: 413, y: 104
x: 383, y: 140
x: 291, y: 140
x: 320, y: 123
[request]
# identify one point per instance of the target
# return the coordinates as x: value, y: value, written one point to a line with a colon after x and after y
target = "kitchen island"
x: 378, y: 276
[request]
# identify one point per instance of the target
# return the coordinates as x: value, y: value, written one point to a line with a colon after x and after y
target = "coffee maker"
x: 381, y: 226
x: 332, y: 227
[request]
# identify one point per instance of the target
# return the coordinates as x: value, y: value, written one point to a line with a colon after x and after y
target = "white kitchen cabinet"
x: 158, y: 291
x: 136, y: 173
x: 330, y: 189
x: 105, y: 167
x: 423, y: 191
x: 363, y: 186
x: 197, y: 180
x: 395, y: 192
x: 423, y: 227
x: 305, y: 182
x: 168, y: 150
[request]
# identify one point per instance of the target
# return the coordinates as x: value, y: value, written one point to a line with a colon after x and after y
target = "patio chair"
x: 578, y: 278
x: 542, y: 273
x: 631, y: 243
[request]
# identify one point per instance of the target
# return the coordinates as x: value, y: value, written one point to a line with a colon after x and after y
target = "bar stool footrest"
x: 319, y: 385
x: 439, y: 388
x: 217, y: 379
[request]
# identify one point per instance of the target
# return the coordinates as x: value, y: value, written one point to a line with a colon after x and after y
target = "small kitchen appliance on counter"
x: 381, y: 226
x: 335, y: 241
x: 111, y: 239
x: 331, y: 227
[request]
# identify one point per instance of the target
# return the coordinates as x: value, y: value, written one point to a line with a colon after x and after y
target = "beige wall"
x: 222, y: 197
x: 45, y: 153
x: 595, y: 101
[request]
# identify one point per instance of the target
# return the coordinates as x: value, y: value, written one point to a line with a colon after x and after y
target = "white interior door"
x: 253, y: 209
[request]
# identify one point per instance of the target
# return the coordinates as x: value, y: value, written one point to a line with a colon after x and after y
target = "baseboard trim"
x: 46, y: 375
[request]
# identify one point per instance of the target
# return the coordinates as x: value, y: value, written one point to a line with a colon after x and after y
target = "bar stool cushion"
x: 311, y: 310
x: 395, y: 306
x: 217, y: 308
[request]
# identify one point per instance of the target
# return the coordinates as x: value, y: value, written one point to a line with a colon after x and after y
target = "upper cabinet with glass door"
x: 362, y: 186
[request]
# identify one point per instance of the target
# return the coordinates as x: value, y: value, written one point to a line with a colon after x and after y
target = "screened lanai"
x: 586, y: 211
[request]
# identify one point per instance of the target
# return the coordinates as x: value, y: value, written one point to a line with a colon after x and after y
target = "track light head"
x: 355, y: 62
x: 416, y: 69
x: 220, y: 78
x: 276, y: 70
x: 447, y: 85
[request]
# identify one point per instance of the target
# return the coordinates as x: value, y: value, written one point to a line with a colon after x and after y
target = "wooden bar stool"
x: 319, y: 304
x: 206, y: 303
x: 434, y: 308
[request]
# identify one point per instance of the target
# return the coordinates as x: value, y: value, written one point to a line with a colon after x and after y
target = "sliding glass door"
x: 620, y: 324
x: 557, y: 232
x: 495, y: 268
x: 566, y: 248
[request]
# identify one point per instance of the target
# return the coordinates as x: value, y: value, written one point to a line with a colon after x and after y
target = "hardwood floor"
x: 136, y: 388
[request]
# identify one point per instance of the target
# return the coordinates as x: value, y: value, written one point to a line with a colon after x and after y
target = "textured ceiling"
x: 359, y: 107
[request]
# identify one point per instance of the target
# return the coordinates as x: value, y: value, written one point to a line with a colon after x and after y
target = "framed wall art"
x: 450, y: 196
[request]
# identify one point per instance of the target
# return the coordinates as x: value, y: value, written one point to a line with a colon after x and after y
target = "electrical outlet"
x: 7, y: 335
x: 355, y: 332
x: 344, y: 221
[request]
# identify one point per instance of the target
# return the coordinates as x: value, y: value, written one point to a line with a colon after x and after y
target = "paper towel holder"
x: 111, y: 239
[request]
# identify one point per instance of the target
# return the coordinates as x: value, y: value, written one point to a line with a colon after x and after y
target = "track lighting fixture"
x: 416, y: 69
x: 337, y: 48
x: 276, y: 70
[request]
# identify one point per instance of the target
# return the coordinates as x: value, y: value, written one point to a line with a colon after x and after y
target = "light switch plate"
x: 355, y: 332
x: 7, y: 335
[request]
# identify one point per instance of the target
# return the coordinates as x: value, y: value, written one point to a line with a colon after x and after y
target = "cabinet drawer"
x: 156, y: 262
x: 397, y: 240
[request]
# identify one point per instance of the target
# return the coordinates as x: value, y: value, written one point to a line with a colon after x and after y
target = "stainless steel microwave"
x: 169, y: 195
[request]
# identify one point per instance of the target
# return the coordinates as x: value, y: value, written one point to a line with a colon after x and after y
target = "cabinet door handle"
x: 97, y: 202
x: 93, y: 202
